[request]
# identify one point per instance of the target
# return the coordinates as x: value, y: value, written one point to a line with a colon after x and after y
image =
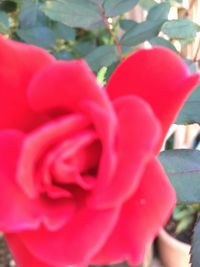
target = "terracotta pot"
x: 173, y: 253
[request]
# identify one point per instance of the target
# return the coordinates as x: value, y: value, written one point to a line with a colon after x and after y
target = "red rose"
x: 80, y: 182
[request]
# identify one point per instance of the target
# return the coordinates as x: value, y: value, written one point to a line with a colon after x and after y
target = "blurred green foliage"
x: 97, y: 30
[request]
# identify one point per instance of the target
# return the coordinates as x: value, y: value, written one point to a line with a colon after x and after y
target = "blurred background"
x: 103, y: 32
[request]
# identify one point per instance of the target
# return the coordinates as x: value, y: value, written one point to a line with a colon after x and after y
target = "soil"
x: 185, y: 236
x: 5, y: 256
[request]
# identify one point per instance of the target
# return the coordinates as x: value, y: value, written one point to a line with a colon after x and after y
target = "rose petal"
x: 76, y: 242
x: 106, y: 126
x: 139, y: 132
x: 19, y: 63
x: 17, y: 211
x: 140, y: 219
x: 22, y: 255
x: 65, y: 85
x: 71, y: 161
x: 39, y: 141
x: 158, y: 76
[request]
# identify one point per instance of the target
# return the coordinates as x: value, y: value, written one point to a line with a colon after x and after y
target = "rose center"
x: 71, y: 166
x: 60, y: 159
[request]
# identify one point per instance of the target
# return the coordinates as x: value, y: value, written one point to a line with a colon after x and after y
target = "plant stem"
x: 196, y: 53
x: 108, y: 26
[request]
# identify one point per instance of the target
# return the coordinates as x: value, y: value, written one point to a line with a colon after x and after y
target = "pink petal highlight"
x: 39, y: 141
x: 17, y: 211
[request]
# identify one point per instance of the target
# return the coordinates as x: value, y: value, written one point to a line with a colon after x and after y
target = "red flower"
x: 79, y: 178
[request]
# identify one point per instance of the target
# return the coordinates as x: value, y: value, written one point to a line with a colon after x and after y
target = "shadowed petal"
x: 138, y: 135
x: 22, y: 255
x: 65, y: 85
x: 141, y: 218
x: 76, y: 242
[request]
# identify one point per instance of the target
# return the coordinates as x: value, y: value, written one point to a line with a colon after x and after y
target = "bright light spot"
x: 12, y: 263
x: 110, y: 20
x: 143, y: 201
x: 185, y: 4
x: 177, y: 45
x: 147, y: 45
x: 173, y: 14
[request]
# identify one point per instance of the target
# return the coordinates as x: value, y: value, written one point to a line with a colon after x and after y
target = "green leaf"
x: 191, y: 64
x: 118, y: 7
x: 183, y: 169
x: 8, y: 6
x: 126, y: 50
x: 184, y: 224
x: 162, y: 42
x: 31, y: 16
x: 190, y: 111
x: 159, y: 12
x: 147, y: 4
x: 141, y: 32
x: 28, y: 14
x: 76, y: 13
x: 84, y: 48
x: 4, y: 22
x: 102, y: 56
x: 40, y: 36
x: 64, y: 32
x: 101, y: 75
x: 177, y: 1
x: 127, y: 24
x: 182, y: 214
x: 63, y: 55
x: 180, y: 29
x: 195, y: 250
x: 110, y: 70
